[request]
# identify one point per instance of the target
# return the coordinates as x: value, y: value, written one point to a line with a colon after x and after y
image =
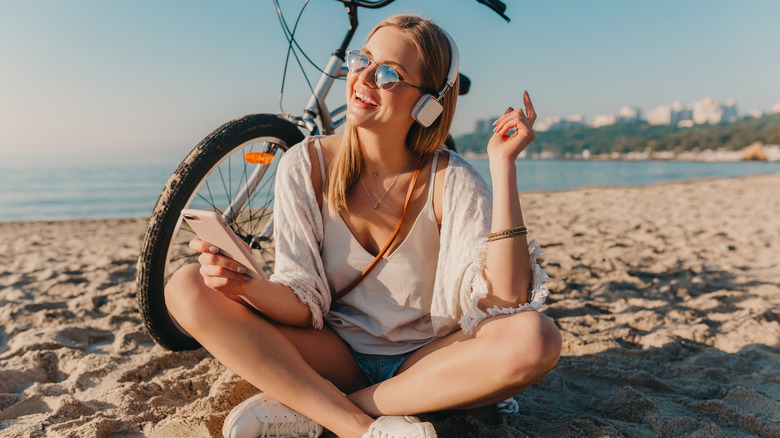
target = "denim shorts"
x: 378, y: 367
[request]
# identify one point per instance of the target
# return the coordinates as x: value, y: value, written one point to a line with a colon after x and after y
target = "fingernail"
x: 241, y: 270
x: 247, y: 278
x: 495, y: 123
x: 214, y: 250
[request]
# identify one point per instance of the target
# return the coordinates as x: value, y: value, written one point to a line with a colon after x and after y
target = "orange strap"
x: 368, y: 269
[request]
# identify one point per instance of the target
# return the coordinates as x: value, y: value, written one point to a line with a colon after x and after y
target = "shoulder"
x: 303, y: 156
x: 301, y: 163
x: 295, y: 158
x: 460, y: 174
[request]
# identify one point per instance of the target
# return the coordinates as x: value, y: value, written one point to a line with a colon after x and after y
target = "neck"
x: 383, y: 154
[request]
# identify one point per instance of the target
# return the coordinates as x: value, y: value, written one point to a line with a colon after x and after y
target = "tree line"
x: 627, y: 137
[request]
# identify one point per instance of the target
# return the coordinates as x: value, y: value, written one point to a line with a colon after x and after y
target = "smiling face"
x: 373, y: 108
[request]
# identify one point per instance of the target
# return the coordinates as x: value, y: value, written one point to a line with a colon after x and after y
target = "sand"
x: 667, y: 296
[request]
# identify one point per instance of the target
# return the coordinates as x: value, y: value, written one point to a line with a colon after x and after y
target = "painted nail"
x: 214, y: 250
x: 247, y: 278
x: 241, y: 270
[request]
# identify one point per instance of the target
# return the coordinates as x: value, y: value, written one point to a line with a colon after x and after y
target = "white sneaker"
x: 262, y: 416
x: 400, y: 427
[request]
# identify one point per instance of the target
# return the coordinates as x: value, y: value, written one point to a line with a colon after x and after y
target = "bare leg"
x: 290, y: 364
x: 507, y: 354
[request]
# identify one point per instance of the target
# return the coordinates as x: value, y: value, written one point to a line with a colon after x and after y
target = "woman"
x: 446, y: 319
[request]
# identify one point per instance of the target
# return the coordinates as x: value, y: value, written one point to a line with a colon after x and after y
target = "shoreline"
x: 758, y: 152
x: 667, y: 296
x: 522, y: 192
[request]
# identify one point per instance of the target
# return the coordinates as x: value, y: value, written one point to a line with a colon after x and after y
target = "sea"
x: 73, y: 187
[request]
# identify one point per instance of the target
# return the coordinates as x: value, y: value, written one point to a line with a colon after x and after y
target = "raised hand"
x: 503, y: 146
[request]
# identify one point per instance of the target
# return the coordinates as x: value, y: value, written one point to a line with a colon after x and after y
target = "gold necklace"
x: 376, y: 203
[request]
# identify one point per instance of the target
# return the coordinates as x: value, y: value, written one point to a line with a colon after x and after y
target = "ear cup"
x: 429, y: 107
x: 426, y: 110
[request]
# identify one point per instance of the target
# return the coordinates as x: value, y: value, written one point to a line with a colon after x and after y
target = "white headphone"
x: 428, y: 108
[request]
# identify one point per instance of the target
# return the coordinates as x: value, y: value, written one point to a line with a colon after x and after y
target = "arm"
x: 297, y: 293
x: 507, y: 262
x: 274, y: 300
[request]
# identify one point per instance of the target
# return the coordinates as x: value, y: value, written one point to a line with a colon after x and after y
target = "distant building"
x: 484, y: 125
x: 661, y: 115
x: 681, y: 113
x: 554, y: 123
x: 604, y: 120
x: 626, y: 114
x: 730, y: 110
x: 629, y: 114
x: 707, y: 110
x: 546, y: 123
x: 776, y: 108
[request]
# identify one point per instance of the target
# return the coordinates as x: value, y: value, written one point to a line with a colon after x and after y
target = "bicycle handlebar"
x: 367, y: 3
x: 373, y: 5
x: 351, y: 5
x: 496, y: 5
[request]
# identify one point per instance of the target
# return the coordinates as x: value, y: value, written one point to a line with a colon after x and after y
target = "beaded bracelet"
x: 509, y: 232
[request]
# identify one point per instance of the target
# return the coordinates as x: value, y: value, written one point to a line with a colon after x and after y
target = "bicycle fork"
x: 263, y: 161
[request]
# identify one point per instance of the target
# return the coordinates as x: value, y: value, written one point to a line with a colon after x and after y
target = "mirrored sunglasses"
x: 385, y: 76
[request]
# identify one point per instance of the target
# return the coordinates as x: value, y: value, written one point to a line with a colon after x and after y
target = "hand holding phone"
x: 211, y: 227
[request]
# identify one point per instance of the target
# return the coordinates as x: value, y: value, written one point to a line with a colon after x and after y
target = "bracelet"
x: 509, y: 232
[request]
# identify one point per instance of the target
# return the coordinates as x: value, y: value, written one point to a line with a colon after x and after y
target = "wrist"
x: 502, y: 164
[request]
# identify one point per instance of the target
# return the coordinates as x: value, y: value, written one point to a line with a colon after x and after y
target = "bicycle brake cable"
x: 290, y: 36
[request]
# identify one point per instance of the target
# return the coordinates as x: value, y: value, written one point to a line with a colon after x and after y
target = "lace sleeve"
x: 537, y: 293
x: 298, y: 232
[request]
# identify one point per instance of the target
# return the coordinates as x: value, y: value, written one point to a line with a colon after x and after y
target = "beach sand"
x: 667, y: 296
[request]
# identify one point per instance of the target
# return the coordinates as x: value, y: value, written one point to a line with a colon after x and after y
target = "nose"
x: 368, y: 75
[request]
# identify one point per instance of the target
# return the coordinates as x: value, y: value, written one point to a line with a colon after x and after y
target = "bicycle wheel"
x: 217, y: 176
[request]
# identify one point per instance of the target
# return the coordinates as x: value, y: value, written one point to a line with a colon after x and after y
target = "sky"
x: 152, y: 78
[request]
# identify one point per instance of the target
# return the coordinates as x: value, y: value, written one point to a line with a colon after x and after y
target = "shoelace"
x: 376, y: 434
x: 298, y: 427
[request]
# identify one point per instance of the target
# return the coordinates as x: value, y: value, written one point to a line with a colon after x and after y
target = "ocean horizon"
x: 94, y: 187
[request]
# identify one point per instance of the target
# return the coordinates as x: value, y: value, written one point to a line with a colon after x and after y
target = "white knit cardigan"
x: 460, y: 283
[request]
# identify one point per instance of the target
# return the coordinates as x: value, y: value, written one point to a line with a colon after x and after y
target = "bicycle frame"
x: 316, y: 108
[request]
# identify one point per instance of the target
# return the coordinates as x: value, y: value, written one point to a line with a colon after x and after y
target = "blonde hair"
x: 434, y: 51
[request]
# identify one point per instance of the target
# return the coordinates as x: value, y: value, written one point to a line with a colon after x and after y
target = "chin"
x: 358, y: 121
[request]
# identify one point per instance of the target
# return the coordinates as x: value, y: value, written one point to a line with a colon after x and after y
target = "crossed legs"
x: 294, y: 365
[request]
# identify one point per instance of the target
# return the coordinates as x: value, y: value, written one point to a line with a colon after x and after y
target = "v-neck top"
x: 389, y: 312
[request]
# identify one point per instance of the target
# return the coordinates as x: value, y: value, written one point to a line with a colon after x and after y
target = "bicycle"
x: 232, y: 171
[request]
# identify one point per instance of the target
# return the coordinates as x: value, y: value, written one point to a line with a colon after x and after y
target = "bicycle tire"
x: 164, y: 245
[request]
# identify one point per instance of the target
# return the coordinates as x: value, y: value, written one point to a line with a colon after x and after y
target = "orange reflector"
x: 258, y: 158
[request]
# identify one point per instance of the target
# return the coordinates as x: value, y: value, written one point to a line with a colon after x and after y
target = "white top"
x: 459, y: 282
x: 389, y: 311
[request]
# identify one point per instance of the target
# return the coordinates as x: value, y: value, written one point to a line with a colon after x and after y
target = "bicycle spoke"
x: 222, y: 179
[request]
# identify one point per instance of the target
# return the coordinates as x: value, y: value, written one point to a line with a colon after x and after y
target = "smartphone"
x: 211, y: 227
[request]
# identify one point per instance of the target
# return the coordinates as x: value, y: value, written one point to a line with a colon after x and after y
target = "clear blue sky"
x: 154, y: 77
